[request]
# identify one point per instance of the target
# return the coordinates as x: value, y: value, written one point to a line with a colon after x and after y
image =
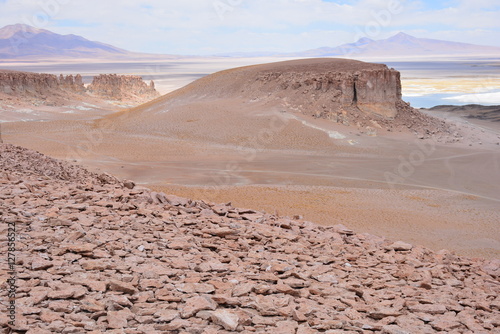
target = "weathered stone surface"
x: 124, y: 287
x: 428, y: 308
x: 195, y: 304
x: 142, y: 266
x: 41, y: 264
x: 393, y: 329
x: 166, y: 315
x: 226, y: 319
x: 118, y: 319
x: 337, y: 84
x: 34, y: 84
x: 122, y: 87
x: 400, y: 246
x: 129, y: 184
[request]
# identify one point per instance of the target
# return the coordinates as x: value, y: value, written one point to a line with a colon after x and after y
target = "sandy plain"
x: 449, y: 198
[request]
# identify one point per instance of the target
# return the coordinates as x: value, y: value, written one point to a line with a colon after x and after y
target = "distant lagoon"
x: 466, y: 69
x: 432, y: 100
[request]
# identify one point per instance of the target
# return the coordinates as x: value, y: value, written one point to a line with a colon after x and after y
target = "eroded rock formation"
x: 49, y: 89
x: 122, y: 87
x: 37, y: 84
x: 73, y: 83
x: 372, y: 90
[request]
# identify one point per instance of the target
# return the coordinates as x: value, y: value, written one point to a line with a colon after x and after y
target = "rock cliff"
x: 37, y: 84
x: 122, y: 87
x: 375, y: 90
x: 49, y: 89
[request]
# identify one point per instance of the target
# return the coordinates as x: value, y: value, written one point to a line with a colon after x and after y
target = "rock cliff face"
x: 72, y: 83
x: 35, y: 84
x: 122, y: 87
x: 373, y: 90
x: 47, y: 88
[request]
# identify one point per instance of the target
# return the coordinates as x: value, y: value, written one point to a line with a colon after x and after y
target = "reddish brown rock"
x: 400, y: 246
x: 166, y: 315
x: 427, y: 308
x: 41, y: 264
x: 150, y: 267
x: 122, y: 87
x: 227, y: 319
x: 118, y: 319
x: 195, y: 304
x: 120, y: 286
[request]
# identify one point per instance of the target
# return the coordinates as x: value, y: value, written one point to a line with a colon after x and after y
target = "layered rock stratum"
x: 38, y: 84
x: 52, y: 90
x: 122, y: 87
x: 332, y: 84
x: 96, y: 255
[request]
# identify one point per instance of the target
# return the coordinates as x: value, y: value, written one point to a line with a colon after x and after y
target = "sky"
x: 206, y: 27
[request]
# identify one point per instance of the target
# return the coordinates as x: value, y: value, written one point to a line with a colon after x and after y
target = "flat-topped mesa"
x: 330, y: 85
x: 122, y: 87
x: 325, y: 86
x: 320, y: 87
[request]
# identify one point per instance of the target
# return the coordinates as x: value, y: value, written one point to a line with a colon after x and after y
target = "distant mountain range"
x: 399, y: 45
x: 403, y: 45
x: 23, y: 41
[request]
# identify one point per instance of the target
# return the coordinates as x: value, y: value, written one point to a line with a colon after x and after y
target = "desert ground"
x: 442, y: 191
x: 99, y: 255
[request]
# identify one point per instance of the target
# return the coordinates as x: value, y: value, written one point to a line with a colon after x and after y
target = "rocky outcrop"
x: 122, y: 87
x: 325, y: 87
x: 349, y: 92
x: 38, y: 84
x: 101, y: 257
x: 51, y: 90
x: 374, y: 91
x: 72, y: 83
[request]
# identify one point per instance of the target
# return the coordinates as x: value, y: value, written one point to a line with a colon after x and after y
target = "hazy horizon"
x: 201, y: 27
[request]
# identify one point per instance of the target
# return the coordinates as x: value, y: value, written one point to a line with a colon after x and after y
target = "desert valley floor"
x: 440, y: 191
x: 297, y: 197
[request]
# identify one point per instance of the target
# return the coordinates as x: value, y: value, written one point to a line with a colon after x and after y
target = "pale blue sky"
x: 218, y: 26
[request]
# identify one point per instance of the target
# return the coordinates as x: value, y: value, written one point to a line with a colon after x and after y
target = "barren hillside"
x: 329, y: 96
x: 96, y: 255
x: 243, y: 130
